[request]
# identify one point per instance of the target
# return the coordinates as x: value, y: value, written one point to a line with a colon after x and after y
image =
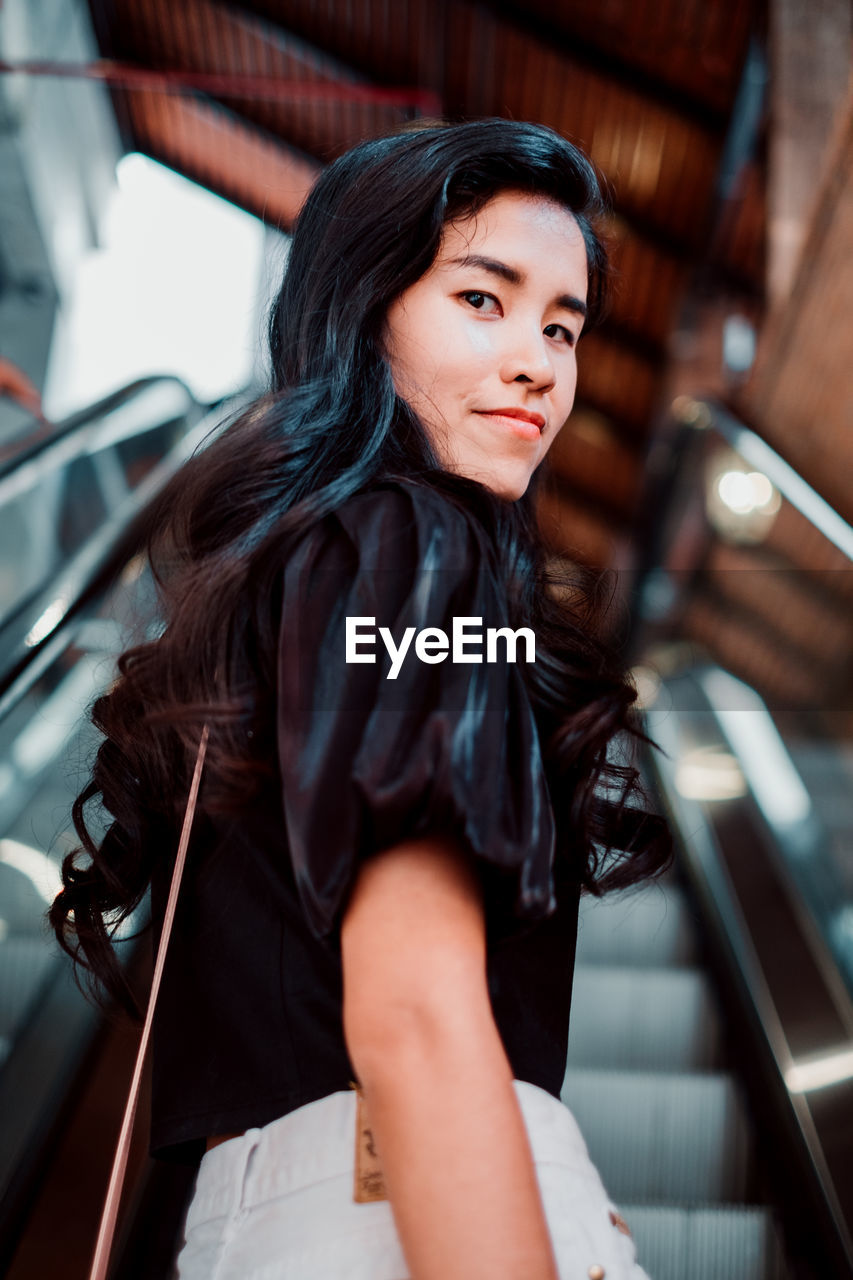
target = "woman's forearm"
x: 438, y: 1086
x: 456, y: 1158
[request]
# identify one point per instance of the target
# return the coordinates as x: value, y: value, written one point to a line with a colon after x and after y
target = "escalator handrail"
x: 24, y: 450
x: 95, y: 565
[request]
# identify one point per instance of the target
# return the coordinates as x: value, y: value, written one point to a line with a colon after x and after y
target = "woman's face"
x: 483, y: 346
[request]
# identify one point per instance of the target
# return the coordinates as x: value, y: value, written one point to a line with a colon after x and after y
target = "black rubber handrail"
x: 22, y: 450
x: 97, y: 560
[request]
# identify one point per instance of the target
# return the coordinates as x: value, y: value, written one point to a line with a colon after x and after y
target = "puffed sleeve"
x: 367, y: 760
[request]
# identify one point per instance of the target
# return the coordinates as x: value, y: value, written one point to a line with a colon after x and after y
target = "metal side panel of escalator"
x: 721, y: 1127
x: 74, y: 592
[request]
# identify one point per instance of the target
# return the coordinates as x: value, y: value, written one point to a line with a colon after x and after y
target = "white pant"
x: 277, y: 1203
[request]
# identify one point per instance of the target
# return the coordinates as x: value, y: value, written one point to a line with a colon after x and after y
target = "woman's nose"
x: 527, y: 359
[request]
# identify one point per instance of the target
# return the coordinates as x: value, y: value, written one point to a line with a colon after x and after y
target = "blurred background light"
x: 741, y: 502
x: 820, y: 1072
x: 707, y: 773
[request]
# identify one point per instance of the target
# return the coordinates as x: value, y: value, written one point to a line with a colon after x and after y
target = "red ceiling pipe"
x: 125, y: 76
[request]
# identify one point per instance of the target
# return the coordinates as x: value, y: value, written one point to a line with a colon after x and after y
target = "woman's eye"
x: 567, y: 334
x: 480, y: 301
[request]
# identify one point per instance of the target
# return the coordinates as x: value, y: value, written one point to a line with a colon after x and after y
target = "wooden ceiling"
x: 251, y: 99
x: 646, y: 88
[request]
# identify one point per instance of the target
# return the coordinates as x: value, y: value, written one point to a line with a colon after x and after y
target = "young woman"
x: 406, y: 785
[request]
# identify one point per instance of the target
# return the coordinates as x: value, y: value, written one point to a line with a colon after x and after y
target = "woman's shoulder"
x: 405, y: 498
x: 394, y: 536
x: 409, y: 513
x: 396, y: 547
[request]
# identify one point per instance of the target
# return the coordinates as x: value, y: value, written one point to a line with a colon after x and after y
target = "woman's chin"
x: 504, y: 482
x: 511, y: 488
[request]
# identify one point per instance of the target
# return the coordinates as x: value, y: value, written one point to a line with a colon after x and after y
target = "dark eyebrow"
x: 496, y: 268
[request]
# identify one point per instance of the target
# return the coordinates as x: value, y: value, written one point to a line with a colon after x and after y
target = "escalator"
x: 73, y: 593
x: 747, y: 588
x: 656, y: 1095
x: 725, y: 1163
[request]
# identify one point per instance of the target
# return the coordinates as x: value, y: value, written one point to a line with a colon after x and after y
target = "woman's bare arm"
x: 436, y: 1079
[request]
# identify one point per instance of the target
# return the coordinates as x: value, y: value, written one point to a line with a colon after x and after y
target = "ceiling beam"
x: 578, y: 48
x: 358, y: 59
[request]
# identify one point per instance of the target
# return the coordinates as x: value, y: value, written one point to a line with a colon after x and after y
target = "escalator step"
x: 644, y: 1019
x: 651, y: 926
x: 671, y: 1138
x: 736, y: 1243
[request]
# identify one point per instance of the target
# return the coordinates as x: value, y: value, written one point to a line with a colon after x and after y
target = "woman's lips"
x: 527, y: 425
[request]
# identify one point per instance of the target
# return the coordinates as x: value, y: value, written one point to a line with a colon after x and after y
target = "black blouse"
x: 249, y: 1019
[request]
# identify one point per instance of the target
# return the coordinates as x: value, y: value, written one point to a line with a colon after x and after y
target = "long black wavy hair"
x: 331, y: 424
